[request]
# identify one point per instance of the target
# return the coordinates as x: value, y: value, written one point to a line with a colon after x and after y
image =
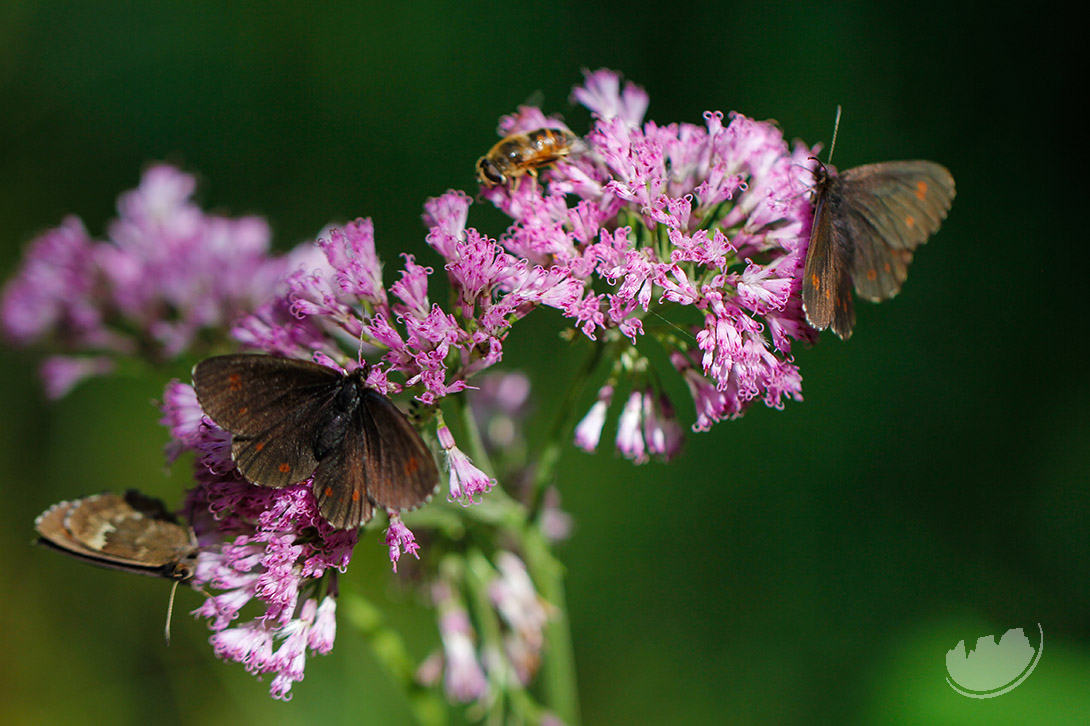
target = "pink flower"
x: 466, y: 480
x: 400, y: 539
x: 589, y: 431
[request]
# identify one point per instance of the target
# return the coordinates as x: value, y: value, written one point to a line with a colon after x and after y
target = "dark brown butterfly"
x: 292, y: 418
x: 133, y: 532
x: 867, y: 223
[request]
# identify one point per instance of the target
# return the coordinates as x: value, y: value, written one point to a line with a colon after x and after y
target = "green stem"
x: 558, y: 666
x: 390, y: 651
x: 561, y: 693
x: 557, y: 439
x: 476, y: 441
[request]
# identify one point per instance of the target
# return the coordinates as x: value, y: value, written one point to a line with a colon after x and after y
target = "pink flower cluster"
x: 258, y: 545
x: 638, y: 232
x: 167, y: 274
x: 651, y: 220
x: 470, y: 670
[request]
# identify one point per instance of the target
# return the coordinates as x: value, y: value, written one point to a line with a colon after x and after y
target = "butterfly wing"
x: 401, y: 471
x: 382, y: 462
x: 133, y: 533
x: 891, y: 209
x: 272, y: 406
x: 340, y: 484
x: 827, y: 278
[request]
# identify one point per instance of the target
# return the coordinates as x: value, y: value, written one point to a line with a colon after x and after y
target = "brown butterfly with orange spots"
x: 867, y: 222
x: 291, y: 418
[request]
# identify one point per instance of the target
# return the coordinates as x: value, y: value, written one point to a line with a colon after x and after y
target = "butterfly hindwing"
x: 340, y: 485
x: 401, y: 471
x: 382, y: 462
x: 878, y: 270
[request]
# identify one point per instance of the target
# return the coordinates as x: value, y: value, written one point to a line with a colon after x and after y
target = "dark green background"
x: 805, y: 566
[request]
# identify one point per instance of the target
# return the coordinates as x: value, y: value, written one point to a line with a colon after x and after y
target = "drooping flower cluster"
x: 498, y: 644
x: 167, y: 274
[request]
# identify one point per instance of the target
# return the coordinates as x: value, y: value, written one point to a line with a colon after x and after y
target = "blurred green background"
x: 806, y: 566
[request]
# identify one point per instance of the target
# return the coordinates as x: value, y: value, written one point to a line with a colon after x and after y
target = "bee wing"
x: 273, y: 408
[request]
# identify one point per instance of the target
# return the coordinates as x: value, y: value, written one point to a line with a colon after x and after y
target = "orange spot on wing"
x: 235, y: 381
x: 910, y: 221
x: 921, y: 190
x: 828, y: 294
x: 355, y: 495
x: 284, y: 468
x: 815, y: 281
x: 328, y: 491
x: 243, y: 411
x: 259, y: 446
x: 872, y: 274
x: 887, y: 267
x: 411, y: 466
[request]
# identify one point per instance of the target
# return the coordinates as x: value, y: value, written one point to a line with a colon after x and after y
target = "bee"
x: 524, y: 154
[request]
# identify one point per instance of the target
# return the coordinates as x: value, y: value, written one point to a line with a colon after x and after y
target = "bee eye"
x: 489, y: 172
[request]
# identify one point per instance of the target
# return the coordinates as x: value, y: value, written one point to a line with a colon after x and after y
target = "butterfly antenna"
x: 170, y: 611
x: 836, y: 127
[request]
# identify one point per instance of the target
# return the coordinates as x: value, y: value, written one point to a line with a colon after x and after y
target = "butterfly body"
x: 129, y: 532
x: 291, y: 419
x: 867, y: 222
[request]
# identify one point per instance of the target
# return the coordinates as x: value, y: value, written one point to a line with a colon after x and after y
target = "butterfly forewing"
x: 904, y: 201
x: 248, y: 394
x: 826, y: 288
x: 867, y: 222
x: 273, y: 406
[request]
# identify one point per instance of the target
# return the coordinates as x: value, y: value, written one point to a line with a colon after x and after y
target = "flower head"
x: 167, y: 274
x: 657, y: 225
x: 259, y: 546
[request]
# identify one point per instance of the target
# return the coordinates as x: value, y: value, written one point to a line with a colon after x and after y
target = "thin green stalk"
x: 557, y: 439
x: 389, y: 648
x: 558, y: 666
x: 558, y: 677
